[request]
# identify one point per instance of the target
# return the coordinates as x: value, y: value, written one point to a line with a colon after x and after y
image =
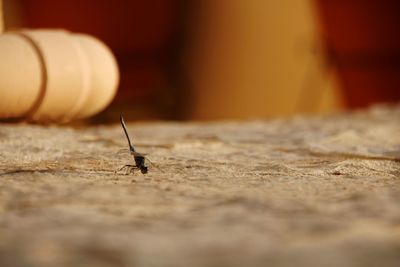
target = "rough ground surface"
x: 320, y: 191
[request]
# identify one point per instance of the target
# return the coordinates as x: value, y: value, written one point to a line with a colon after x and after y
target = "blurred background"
x: 235, y: 59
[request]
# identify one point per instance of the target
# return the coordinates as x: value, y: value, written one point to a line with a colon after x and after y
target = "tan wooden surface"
x: 319, y: 191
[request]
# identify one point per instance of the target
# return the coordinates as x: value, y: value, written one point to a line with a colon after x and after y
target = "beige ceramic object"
x: 103, y: 74
x: 65, y: 74
x: 21, y: 80
x: 54, y: 76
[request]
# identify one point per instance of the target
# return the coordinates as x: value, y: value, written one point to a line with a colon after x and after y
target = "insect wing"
x: 153, y: 164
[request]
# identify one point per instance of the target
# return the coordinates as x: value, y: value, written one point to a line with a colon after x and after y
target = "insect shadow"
x: 138, y: 157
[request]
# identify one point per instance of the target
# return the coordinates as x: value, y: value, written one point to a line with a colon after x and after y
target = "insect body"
x: 139, y: 158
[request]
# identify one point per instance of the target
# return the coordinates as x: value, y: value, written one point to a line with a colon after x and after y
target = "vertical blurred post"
x: 1, y: 16
x: 254, y: 59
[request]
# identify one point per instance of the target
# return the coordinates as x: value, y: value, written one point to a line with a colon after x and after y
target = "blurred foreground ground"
x: 319, y: 191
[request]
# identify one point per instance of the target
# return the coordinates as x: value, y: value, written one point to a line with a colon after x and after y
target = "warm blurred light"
x: 255, y: 59
x: 243, y: 59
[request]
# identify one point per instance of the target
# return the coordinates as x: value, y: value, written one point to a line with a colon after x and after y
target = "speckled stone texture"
x: 305, y: 191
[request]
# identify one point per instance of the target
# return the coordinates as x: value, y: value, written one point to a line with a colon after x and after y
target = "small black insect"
x: 139, y: 158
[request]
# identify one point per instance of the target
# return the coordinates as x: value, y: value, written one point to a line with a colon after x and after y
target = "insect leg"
x: 128, y: 168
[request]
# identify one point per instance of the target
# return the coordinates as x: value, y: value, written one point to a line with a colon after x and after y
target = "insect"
x: 139, y: 158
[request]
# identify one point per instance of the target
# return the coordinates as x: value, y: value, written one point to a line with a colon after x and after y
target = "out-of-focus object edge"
x: 1, y: 16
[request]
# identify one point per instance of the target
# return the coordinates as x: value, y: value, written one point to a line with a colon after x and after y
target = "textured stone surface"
x: 296, y: 192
